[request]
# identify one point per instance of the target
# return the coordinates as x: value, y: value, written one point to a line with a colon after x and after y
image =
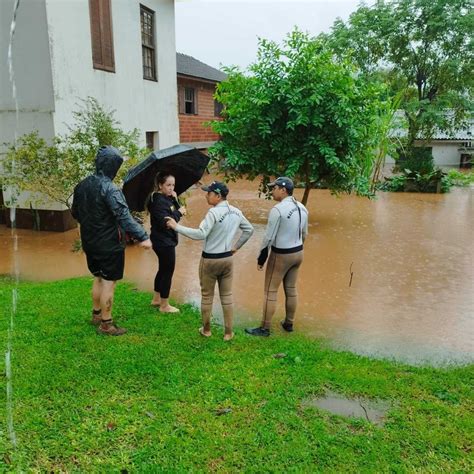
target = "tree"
x: 302, y: 114
x: 53, y: 169
x: 424, y: 49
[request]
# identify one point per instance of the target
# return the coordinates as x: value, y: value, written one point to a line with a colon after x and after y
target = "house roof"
x: 465, y: 134
x: 461, y: 134
x: 189, y: 66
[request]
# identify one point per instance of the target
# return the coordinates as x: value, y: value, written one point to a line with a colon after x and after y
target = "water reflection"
x: 411, y: 294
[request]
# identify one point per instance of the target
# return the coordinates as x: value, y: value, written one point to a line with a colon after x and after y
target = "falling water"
x: 8, y: 353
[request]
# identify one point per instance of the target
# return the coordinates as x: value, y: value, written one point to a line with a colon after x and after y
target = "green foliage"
x: 461, y: 178
x: 53, y: 169
x: 434, y: 181
x: 416, y: 159
x: 418, y: 174
x: 394, y: 184
x: 388, y: 145
x: 302, y: 114
x: 163, y: 399
x: 423, y: 49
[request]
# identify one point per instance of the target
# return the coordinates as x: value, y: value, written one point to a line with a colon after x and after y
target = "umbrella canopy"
x: 185, y: 163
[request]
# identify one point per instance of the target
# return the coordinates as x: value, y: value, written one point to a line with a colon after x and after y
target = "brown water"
x: 373, y: 411
x: 411, y: 296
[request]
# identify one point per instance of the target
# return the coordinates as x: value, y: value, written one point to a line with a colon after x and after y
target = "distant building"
x: 196, y: 104
x: 454, y: 150
x: 120, y: 52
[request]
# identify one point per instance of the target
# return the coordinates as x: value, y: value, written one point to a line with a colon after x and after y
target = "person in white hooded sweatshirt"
x: 218, y: 230
x: 285, y: 233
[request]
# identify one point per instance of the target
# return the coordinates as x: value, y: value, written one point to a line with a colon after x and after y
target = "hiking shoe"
x: 288, y: 327
x: 258, y: 332
x: 108, y: 328
x: 96, y: 317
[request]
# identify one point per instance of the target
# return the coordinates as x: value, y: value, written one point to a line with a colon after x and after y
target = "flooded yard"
x: 411, y: 293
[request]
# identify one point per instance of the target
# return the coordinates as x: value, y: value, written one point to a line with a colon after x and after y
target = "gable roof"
x: 466, y: 133
x: 189, y: 66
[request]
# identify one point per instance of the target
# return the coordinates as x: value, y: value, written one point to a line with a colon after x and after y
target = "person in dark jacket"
x: 101, y: 210
x: 163, y: 203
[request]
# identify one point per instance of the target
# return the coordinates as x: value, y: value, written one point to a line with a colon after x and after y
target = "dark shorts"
x: 109, y: 267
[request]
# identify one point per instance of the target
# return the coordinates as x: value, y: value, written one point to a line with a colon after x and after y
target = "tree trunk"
x: 307, y: 182
x: 307, y: 189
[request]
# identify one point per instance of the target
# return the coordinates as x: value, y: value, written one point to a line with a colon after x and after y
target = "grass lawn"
x: 147, y: 401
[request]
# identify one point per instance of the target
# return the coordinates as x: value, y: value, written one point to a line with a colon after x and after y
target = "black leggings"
x: 166, y: 262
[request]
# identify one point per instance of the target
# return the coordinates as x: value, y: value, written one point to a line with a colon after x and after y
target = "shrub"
x: 460, y: 178
x: 53, y: 169
x: 418, y: 160
x: 436, y: 181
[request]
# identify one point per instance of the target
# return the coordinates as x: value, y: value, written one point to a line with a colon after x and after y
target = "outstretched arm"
x: 160, y: 210
x: 200, y: 233
x: 118, y: 206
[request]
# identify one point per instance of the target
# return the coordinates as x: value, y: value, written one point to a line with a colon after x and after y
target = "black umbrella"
x: 185, y: 163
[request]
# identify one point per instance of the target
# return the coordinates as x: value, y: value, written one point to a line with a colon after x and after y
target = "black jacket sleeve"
x: 118, y: 206
x: 74, y: 207
x: 176, y: 215
x: 262, y: 258
x: 160, y: 208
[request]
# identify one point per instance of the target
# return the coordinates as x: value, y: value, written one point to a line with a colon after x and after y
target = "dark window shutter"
x: 218, y: 108
x: 107, y: 36
x: 94, y: 11
x: 181, y: 108
x: 101, y: 35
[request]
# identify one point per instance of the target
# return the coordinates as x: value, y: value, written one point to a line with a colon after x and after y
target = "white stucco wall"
x: 32, y: 72
x: 446, y: 154
x: 139, y: 103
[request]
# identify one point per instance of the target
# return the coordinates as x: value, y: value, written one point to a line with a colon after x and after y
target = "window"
x: 100, y: 14
x: 151, y: 140
x: 218, y: 108
x: 147, y: 18
x: 189, y: 102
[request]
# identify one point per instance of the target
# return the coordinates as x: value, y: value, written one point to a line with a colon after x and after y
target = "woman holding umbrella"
x: 163, y: 202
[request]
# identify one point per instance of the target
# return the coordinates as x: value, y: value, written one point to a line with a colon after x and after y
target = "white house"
x: 454, y: 150
x: 122, y: 52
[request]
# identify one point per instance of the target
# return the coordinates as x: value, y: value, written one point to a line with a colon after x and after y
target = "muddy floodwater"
x: 411, y: 296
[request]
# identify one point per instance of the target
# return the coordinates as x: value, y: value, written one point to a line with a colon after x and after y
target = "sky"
x: 225, y: 32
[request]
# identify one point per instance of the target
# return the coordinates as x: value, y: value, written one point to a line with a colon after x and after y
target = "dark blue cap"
x: 283, y: 182
x: 217, y: 187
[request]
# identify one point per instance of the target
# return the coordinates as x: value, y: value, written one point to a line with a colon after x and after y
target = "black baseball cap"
x: 283, y: 182
x: 217, y: 187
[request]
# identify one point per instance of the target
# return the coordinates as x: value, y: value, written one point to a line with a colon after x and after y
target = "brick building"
x: 196, y: 104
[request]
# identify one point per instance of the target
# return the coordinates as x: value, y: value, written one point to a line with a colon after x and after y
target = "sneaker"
x: 258, y: 332
x: 288, y: 327
x: 96, y: 318
x: 110, y: 329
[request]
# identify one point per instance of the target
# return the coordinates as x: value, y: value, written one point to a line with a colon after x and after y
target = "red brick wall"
x: 191, y: 127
